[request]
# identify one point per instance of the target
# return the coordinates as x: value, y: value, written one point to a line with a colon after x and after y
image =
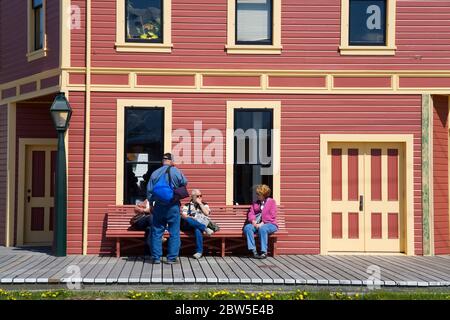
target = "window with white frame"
x: 254, y: 27
x: 36, y: 30
x: 368, y: 27
x: 143, y: 26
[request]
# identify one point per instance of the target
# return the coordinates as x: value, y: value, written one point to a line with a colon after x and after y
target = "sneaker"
x: 263, y: 255
x: 171, y: 261
x: 197, y: 255
x: 209, y: 231
x: 255, y: 254
x: 154, y: 261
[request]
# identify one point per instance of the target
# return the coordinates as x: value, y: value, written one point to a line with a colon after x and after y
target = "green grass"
x: 218, y: 295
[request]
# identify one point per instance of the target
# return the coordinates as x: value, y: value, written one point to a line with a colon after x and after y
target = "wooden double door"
x: 365, y: 202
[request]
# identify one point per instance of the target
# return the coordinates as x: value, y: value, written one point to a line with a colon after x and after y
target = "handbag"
x: 179, y: 193
x: 213, y: 226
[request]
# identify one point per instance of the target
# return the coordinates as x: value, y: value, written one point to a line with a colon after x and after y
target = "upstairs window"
x: 254, y: 27
x: 38, y: 25
x: 144, y: 26
x: 144, y: 21
x: 368, y: 27
x: 36, y: 30
x: 367, y: 23
x: 254, y: 22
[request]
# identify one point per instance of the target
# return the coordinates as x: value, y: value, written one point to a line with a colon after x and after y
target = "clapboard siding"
x: 304, y: 118
x: 75, y: 178
x: 33, y: 120
x: 440, y: 175
x: 78, y: 37
x: 3, y: 170
x: 13, y: 40
x: 310, y: 38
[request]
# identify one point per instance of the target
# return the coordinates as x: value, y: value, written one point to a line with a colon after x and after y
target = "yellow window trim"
x: 408, y: 141
x: 123, y: 46
x: 388, y: 50
x: 41, y: 53
x: 120, y: 137
x: 276, y: 107
x: 233, y: 48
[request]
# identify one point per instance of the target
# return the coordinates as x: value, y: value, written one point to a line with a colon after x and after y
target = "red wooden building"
x: 354, y: 94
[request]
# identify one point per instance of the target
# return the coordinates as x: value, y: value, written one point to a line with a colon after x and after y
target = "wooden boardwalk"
x: 33, y: 267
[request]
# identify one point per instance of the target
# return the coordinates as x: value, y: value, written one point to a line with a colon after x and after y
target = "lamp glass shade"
x: 61, y: 112
x: 60, y: 119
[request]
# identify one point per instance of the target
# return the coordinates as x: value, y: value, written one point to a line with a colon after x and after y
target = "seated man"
x: 145, y: 224
x: 193, y: 219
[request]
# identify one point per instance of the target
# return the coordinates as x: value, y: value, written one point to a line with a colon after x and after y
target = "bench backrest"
x: 227, y: 217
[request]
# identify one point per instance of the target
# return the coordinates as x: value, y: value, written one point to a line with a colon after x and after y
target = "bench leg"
x: 117, y: 247
x: 274, y: 252
x: 222, y: 253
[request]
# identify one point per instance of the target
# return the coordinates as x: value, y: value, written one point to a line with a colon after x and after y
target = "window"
x: 144, y: 149
x: 38, y: 16
x: 367, y: 23
x: 252, y: 149
x: 254, y: 22
x: 368, y: 27
x: 144, y: 20
x: 143, y: 26
x: 144, y: 133
x: 252, y: 153
x: 254, y: 26
x: 36, y: 30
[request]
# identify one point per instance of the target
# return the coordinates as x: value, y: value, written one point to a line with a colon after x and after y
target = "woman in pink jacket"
x: 262, y: 219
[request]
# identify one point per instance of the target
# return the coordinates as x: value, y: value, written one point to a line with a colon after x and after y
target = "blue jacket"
x: 178, y: 179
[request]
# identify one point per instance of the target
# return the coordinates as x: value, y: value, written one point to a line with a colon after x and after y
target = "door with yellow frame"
x: 365, y: 198
x: 39, y: 186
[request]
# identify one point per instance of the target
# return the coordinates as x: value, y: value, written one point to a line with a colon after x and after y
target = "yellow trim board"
x: 276, y: 107
x: 233, y: 48
x: 23, y: 143
x: 408, y: 141
x: 387, y: 50
x: 120, y: 137
x: 11, y: 175
x: 123, y: 46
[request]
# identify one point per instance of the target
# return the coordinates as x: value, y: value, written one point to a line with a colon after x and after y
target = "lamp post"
x: 61, y: 113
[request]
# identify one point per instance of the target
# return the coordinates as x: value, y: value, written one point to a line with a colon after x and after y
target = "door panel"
x: 365, y: 197
x: 383, y: 208
x: 347, y: 166
x: 39, y: 189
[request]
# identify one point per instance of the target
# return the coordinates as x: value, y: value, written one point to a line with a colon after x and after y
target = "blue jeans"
x: 263, y: 233
x: 145, y: 224
x: 190, y: 224
x: 166, y: 215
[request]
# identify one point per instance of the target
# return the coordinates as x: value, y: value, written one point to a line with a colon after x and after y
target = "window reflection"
x: 144, y: 145
x: 144, y: 21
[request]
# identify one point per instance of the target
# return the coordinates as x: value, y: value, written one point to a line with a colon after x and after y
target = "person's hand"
x: 198, y: 200
x: 259, y: 225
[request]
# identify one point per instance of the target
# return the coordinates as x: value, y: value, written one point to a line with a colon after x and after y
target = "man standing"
x: 165, y: 213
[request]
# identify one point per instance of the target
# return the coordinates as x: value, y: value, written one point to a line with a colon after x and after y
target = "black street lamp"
x: 61, y: 113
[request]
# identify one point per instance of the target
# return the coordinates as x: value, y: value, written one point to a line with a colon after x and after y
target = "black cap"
x: 168, y: 156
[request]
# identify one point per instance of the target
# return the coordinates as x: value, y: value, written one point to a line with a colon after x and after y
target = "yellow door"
x: 364, y: 206
x: 39, y: 194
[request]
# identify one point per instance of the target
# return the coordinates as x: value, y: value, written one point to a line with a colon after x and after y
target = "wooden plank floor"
x: 18, y: 266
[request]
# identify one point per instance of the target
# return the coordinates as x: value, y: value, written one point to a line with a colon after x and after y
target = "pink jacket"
x: 269, y: 213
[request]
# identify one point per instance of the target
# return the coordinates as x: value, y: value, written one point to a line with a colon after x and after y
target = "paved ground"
x: 19, y: 267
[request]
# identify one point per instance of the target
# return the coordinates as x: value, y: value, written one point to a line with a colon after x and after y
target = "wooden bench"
x: 230, y: 219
